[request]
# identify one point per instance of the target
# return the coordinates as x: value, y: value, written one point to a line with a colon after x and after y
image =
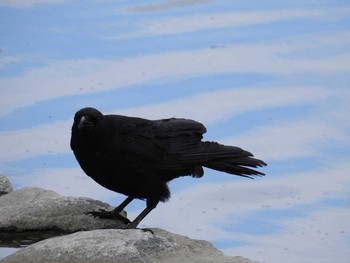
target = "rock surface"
x: 37, y: 209
x: 125, y: 246
x: 31, y: 214
x: 5, y: 185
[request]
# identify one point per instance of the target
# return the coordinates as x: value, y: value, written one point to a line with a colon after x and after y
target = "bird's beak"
x: 82, y: 122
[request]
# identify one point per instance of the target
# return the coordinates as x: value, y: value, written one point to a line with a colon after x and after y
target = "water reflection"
x: 269, y: 76
x: 19, y: 240
x: 11, y: 242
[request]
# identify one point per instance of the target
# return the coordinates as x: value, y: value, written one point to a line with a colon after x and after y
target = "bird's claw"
x: 147, y: 230
x: 128, y: 226
x: 100, y: 213
x: 108, y: 215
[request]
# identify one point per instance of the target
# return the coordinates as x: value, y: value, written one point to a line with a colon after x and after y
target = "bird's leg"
x: 150, y: 205
x: 115, y: 213
x: 127, y: 201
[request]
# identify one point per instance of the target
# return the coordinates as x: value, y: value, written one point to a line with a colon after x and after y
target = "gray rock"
x: 5, y: 185
x: 125, y: 246
x: 36, y: 209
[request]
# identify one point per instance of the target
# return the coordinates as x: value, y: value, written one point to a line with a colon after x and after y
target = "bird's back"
x: 135, y: 155
x: 138, y: 157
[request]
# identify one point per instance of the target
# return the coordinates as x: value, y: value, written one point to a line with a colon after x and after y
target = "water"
x: 269, y: 76
x: 12, y: 242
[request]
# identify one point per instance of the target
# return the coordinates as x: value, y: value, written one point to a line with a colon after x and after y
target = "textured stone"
x: 107, y: 246
x: 36, y: 209
x: 5, y: 185
x: 31, y: 214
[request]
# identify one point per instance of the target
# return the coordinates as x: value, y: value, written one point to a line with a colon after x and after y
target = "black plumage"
x: 137, y: 157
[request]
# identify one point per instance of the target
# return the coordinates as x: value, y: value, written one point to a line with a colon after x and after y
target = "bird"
x: 137, y: 157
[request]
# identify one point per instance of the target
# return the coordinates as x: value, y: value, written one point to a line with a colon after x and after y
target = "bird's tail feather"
x: 229, y: 159
x: 237, y: 169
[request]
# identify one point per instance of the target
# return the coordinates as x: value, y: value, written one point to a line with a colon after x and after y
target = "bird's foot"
x: 109, y: 215
x: 147, y: 230
x: 130, y: 226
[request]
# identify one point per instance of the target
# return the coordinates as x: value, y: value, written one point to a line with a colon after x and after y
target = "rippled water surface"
x: 269, y: 76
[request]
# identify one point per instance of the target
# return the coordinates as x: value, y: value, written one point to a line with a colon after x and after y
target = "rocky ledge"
x: 72, y: 236
x: 36, y: 209
x: 5, y: 185
x: 124, y: 246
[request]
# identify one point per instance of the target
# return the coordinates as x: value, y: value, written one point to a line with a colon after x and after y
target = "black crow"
x: 138, y: 157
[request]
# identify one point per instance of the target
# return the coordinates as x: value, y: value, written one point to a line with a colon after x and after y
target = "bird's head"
x: 86, y: 119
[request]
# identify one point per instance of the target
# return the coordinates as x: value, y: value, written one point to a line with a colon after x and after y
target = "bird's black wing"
x: 154, y: 147
x: 182, y: 135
